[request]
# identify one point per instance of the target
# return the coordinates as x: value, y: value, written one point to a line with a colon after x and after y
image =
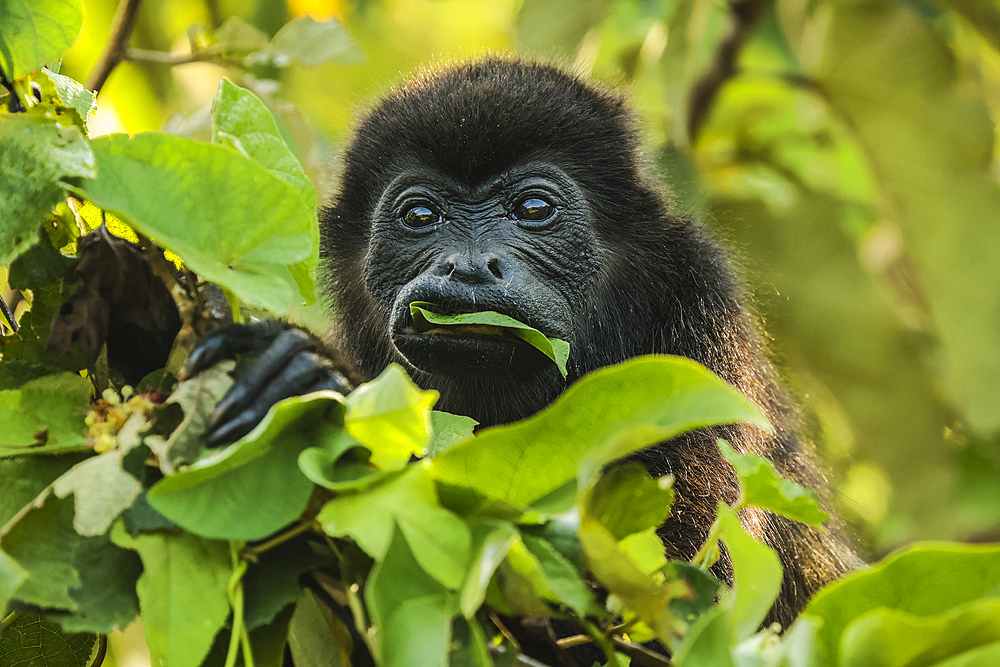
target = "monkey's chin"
x: 468, y: 353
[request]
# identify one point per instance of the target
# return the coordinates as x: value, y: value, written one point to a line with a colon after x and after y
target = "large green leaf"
x: 894, y: 638
x: 32, y: 640
x: 44, y: 415
x: 230, y: 220
x: 626, y: 500
x: 182, y: 593
x: 33, y: 32
x: 391, y: 416
x: 102, y: 490
x: 407, y: 500
x: 410, y: 610
x: 240, y: 120
x: 44, y: 544
x: 602, y: 417
x: 923, y: 581
x: 756, y: 575
x: 208, y: 497
x: 37, y: 157
x: 555, y: 349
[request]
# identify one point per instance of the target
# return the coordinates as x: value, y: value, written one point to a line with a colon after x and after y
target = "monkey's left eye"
x: 418, y: 217
x: 533, y: 209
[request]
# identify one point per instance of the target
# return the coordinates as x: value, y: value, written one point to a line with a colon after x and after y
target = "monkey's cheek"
x: 452, y: 355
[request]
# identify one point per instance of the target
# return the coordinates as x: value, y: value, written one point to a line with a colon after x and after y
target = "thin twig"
x: 640, y: 655
x: 167, y: 58
x: 745, y: 15
x: 114, y: 52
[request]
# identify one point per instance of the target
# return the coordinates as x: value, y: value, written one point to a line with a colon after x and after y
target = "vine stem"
x: 114, y: 51
x: 745, y: 16
x: 238, y: 638
x: 251, y: 553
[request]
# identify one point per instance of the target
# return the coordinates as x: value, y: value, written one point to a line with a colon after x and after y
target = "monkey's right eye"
x: 418, y: 217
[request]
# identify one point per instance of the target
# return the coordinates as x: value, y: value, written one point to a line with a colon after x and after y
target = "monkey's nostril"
x: 494, y: 266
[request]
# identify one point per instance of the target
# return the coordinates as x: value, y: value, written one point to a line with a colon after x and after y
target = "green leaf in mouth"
x: 554, y: 348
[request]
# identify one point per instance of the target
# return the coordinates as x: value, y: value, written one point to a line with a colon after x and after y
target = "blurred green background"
x: 848, y: 159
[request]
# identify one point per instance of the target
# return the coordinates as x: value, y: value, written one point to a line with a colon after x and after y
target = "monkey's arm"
x: 291, y: 362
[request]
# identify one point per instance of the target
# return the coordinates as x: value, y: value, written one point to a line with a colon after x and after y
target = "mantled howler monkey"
x: 517, y: 187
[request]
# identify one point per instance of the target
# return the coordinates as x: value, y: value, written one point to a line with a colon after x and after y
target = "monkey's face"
x: 519, y: 243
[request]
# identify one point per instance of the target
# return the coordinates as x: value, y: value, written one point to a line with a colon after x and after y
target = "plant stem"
x: 115, y: 49
x: 745, y: 15
x: 251, y: 553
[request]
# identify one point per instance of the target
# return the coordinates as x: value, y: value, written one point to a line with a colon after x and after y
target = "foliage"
x: 374, y: 525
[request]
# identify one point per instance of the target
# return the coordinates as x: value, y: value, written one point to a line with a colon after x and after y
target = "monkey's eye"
x: 533, y: 209
x: 418, y: 217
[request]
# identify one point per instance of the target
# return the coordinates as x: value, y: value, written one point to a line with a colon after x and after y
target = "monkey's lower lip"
x: 458, y: 349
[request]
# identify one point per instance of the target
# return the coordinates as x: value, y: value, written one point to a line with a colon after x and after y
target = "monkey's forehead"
x: 478, y: 119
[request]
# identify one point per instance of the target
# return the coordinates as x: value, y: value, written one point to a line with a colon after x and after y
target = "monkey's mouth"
x: 487, y: 330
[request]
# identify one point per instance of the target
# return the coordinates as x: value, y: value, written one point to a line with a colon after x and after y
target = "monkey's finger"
x: 297, y: 376
x: 227, y: 342
x: 278, y: 356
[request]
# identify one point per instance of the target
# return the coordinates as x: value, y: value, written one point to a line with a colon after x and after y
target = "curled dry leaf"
x: 121, y: 302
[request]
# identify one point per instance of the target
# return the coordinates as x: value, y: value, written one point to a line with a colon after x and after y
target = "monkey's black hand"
x: 290, y: 363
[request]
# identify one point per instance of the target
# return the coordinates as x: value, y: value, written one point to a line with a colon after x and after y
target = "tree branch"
x: 745, y: 15
x: 114, y: 52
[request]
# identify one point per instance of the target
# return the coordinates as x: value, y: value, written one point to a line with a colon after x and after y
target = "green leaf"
x: 407, y: 501
x: 316, y: 637
x: 37, y: 157
x: 646, y: 593
x: 182, y: 593
x: 12, y: 575
x: 33, y: 32
x: 410, y: 610
x: 559, y: 580
x: 24, y: 479
x: 228, y: 218
x: 604, y: 416
x: 45, y: 415
x: 33, y: 641
x: 208, y: 497
x: 625, y: 500
x: 951, y: 575
x: 101, y: 488
x: 894, y: 638
x: 43, y: 542
x: 756, y: 575
x: 555, y: 349
x: 391, y: 416
x: 447, y: 430
x: 105, y: 599
x: 491, y: 540
x: 763, y: 487
x: 196, y: 397
x: 68, y: 93
x: 242, y: 121
x: 986, y: 655
x: 236, y: 35
x: 311, y: 42
x: 339, y: 464
x: 708, y: 641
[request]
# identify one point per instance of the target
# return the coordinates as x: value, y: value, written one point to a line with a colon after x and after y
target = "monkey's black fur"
x: 648, y: 282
